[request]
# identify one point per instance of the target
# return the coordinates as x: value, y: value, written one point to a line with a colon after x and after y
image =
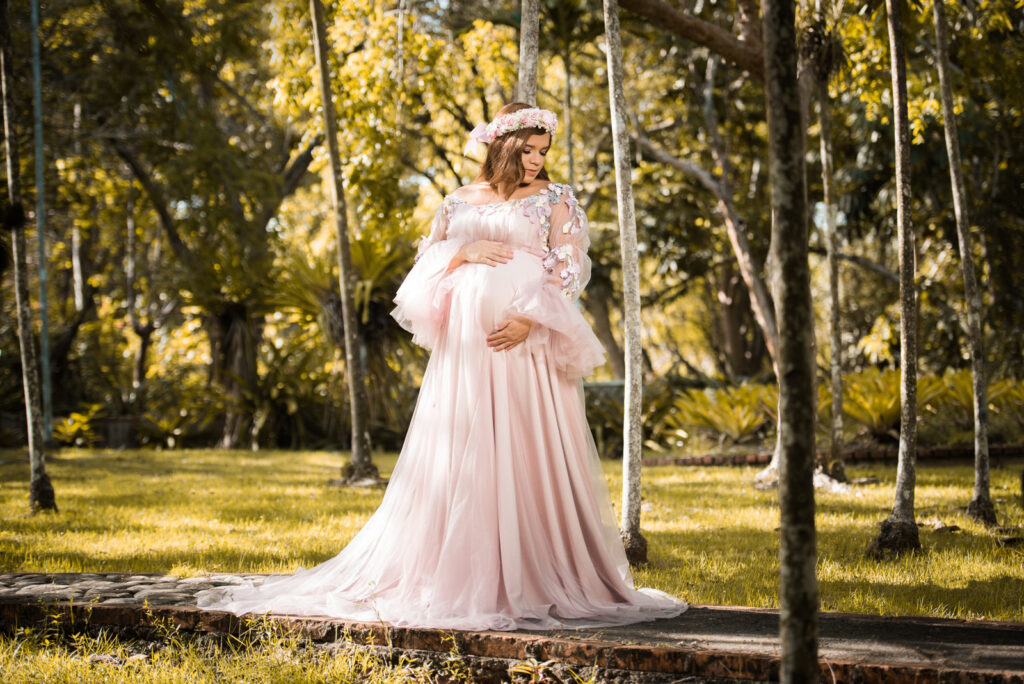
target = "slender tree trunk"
x: 143, y: 330
x: 792, y: 289
x: 832, y: 250
x: 41, y: 495
x: 567, y: 113
x: 529, y: 46
x: 361, y: 466
x: 636, y: 545
x: 899, y: 530
x: 77, y: 270
x: 980, y: 507
x: 41, y: 264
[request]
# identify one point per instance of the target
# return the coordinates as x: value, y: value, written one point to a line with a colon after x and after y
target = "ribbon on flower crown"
x: 534, y: 117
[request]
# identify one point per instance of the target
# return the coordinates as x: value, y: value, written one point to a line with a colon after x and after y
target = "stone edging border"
x: 865, y: 453
x: 647, y: 663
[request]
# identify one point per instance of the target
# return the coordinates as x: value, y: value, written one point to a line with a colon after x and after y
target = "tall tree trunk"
x: 832, y: 250
x: 361, y: 465
x: 567, y: 112
x: 636, y: 545
x: 234, y: 339
x: 899, y: 530
x: 44, y: 308
x: 795, y: 363
x: 144, y: 330
x: 980, y: 507
x: 77, y: 269
x: 529, y: 46
x: 41, y: 495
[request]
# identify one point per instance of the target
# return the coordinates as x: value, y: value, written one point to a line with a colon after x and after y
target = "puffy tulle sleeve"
x: 569, y: 240
x: 422, y: 299
x: 550, y: 303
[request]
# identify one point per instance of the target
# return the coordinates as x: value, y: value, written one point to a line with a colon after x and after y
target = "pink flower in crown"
x: 533, y: 117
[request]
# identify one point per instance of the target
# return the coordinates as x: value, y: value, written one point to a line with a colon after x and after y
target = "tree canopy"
x: 193, y: 277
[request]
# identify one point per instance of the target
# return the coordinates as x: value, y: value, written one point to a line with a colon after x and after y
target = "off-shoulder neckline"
x: 542, y: 191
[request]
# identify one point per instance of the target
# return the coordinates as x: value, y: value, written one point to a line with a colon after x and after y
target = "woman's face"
x: 534, y: 151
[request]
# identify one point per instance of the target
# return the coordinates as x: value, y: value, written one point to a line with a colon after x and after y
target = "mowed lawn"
x: 712, y: 536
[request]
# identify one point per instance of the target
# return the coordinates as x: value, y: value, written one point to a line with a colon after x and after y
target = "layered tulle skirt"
x: 497, y: 515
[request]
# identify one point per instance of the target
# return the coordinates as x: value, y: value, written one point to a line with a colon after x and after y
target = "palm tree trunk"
x: 41, y: 495
x: 529, y: 46
x: 361, y: 465
x: 980, y: 507
x: 636, y: 545
x: 795, y: 364
x: 899, y: 530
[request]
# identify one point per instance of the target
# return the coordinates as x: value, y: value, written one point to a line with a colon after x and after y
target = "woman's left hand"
x: 509, y: 333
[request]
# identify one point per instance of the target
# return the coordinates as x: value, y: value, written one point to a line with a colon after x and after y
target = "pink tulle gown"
x: 497, y: 515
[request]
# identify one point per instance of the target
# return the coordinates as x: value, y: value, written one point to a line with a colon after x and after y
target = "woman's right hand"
x: 486, y: 252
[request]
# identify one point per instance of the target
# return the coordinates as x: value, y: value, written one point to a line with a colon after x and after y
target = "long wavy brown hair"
x: 503, y: 167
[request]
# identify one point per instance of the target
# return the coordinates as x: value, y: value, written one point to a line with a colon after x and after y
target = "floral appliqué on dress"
x: 562, y: 259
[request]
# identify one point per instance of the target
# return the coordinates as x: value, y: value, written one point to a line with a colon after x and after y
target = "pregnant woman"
x: 497, y: 514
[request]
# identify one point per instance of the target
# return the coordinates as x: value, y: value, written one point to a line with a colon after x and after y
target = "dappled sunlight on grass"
x: 713, y: 540
x: 193, y: 511
x: 712, y: 536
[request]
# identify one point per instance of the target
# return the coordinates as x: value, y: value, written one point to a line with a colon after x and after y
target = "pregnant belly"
x: 482, y: 294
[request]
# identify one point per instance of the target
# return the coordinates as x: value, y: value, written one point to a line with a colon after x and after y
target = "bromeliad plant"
x: 734, y: 414
x: 872, y: 399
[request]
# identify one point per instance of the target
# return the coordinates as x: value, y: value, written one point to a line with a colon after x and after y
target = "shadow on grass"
x: 980, y: 597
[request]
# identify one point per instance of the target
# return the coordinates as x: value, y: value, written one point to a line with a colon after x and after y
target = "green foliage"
x: 949, y: 417
x: 872, y: 399
x: 215, y: 100
x: 1006, y: 411
x: 187, y: 417
x: 734, y: 414
x: 680, y: 419
x: 80, y: 428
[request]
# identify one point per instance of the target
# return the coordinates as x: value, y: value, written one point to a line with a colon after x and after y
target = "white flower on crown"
x: 534, y: 117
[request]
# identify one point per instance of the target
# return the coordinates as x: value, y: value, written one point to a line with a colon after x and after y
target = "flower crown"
x: 534, y: 117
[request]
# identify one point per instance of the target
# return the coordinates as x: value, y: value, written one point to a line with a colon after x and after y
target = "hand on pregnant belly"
x: 510, y: 332
x: 486, y: 252
x: 489, y: 276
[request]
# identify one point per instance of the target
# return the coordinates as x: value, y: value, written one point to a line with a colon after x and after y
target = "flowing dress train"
x: 497, y: 515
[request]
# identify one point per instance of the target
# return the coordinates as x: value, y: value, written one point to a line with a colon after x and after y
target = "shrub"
x: 80, y: 428
x: 733, y: 414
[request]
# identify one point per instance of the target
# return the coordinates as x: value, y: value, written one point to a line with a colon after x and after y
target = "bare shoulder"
x: 475, y: 193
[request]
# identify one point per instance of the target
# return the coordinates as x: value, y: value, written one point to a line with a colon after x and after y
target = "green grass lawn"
x: 712, y: 536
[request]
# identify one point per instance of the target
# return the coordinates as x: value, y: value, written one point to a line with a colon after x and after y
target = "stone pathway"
x: 114, y: 588
x: 706, y: 643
